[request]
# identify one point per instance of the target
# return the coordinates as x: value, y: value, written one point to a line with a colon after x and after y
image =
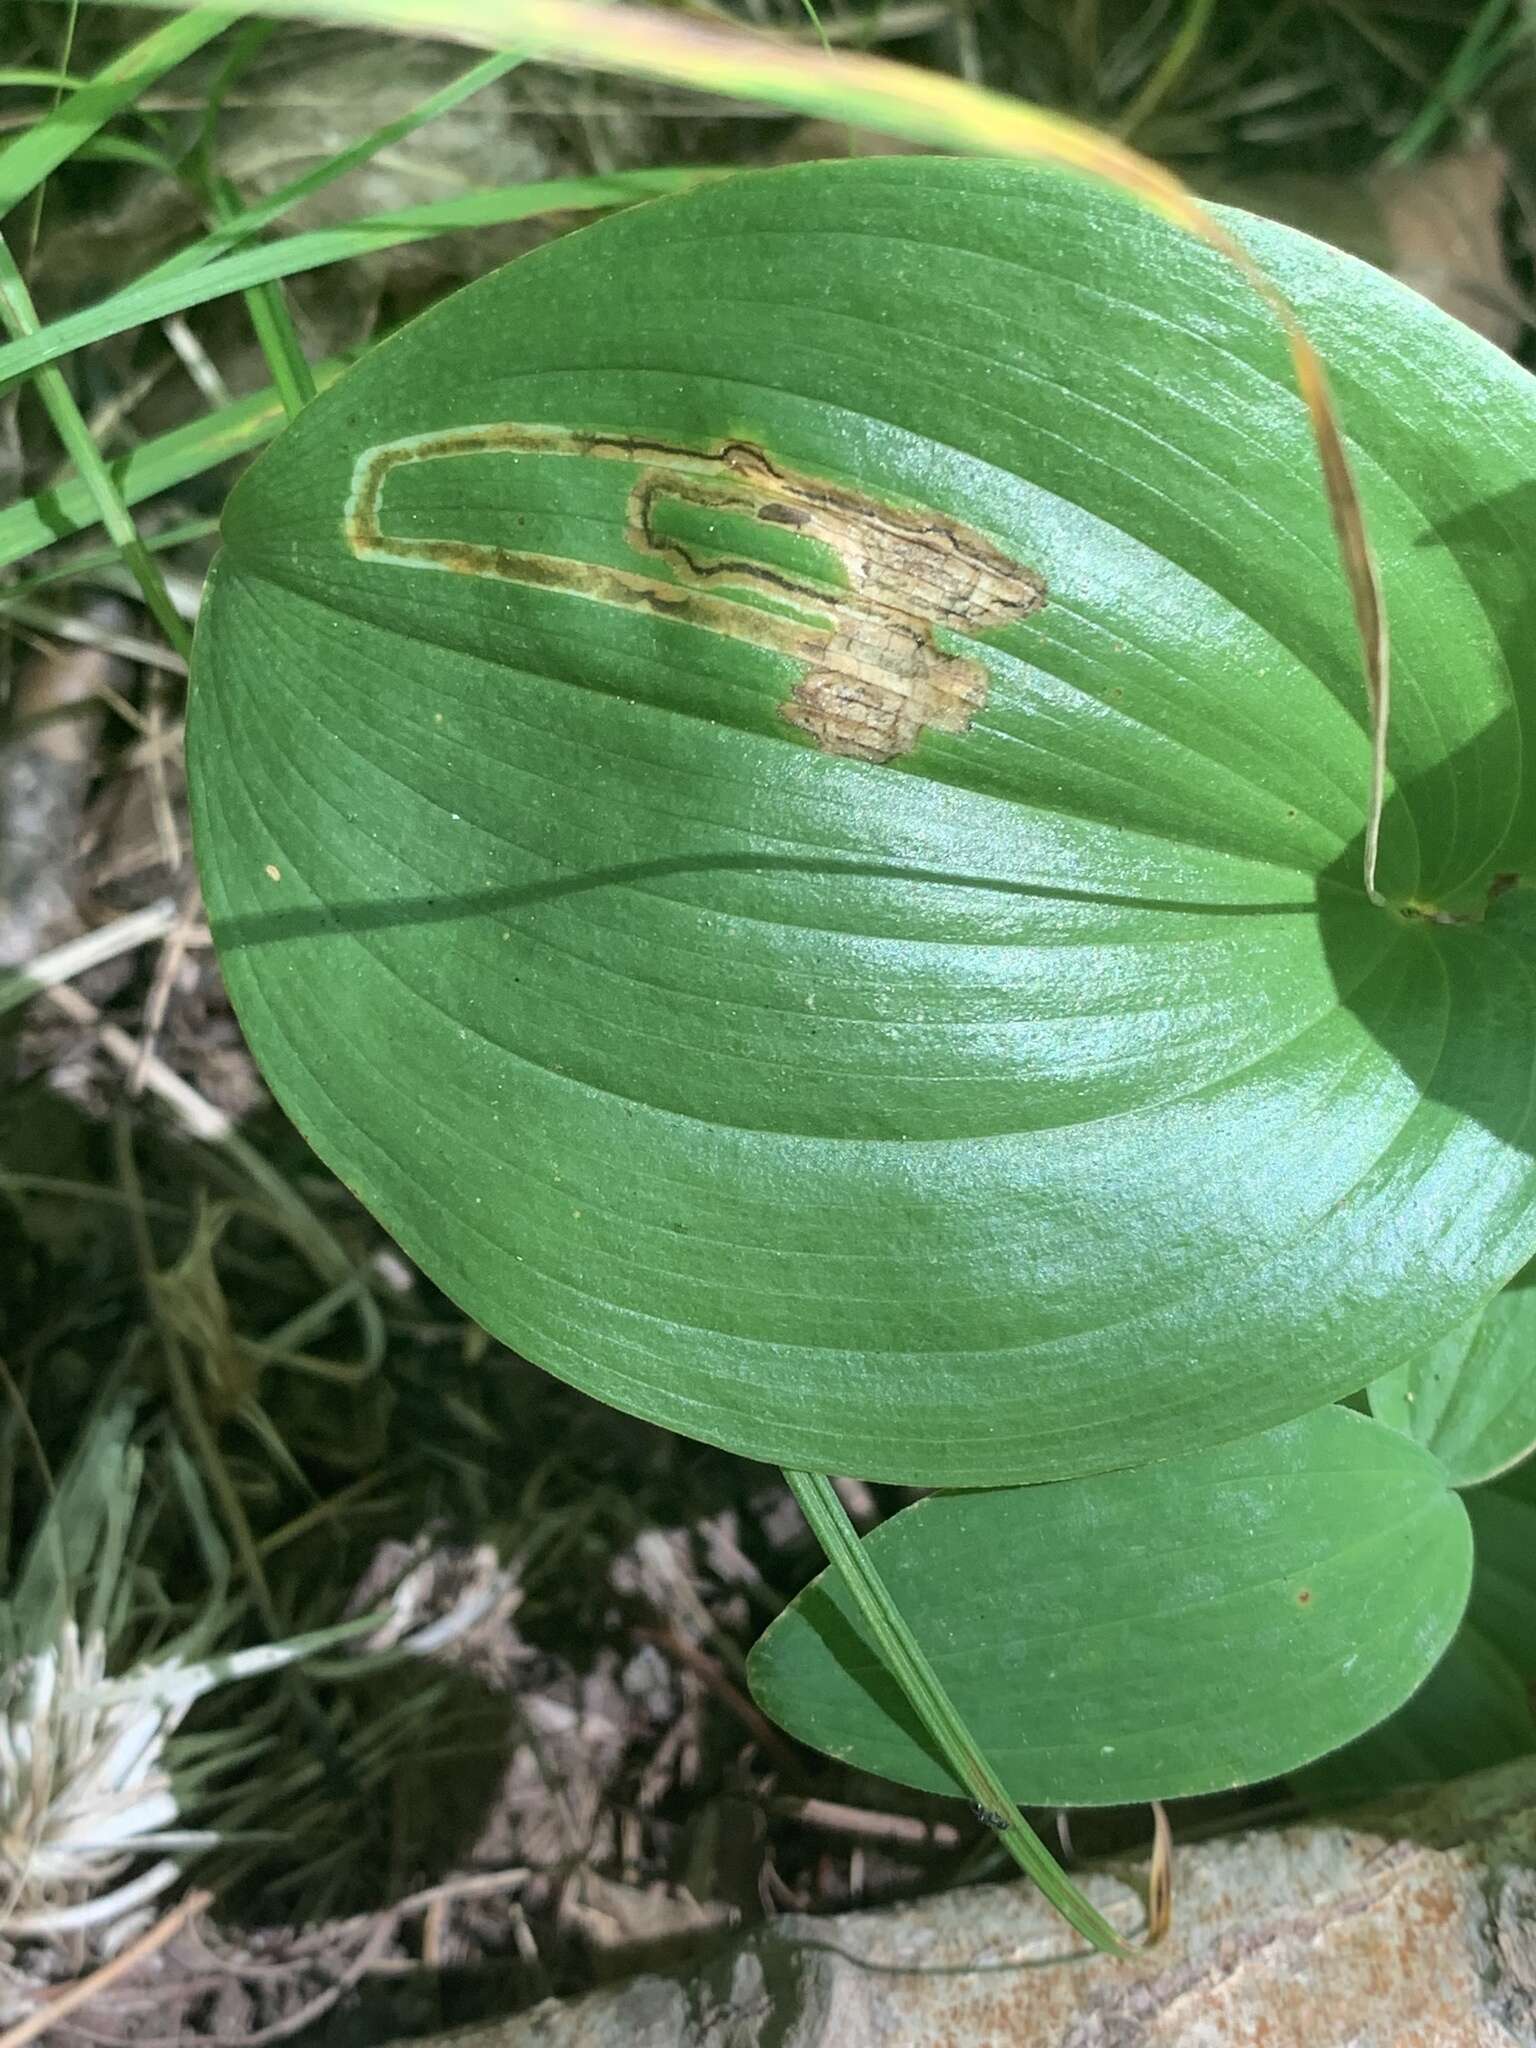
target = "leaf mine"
x: 885, y: 578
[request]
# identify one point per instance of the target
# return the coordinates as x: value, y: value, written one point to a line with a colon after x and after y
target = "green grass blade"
x: 20, y: 317
x: 20, y: 75
x: 712, y: 54
x: 159, y: 465
x: 815, y: 20
x: 920, y: 1682
x: 39, y: 193
x: 1176, y: 60
x: 122, y: 149
x: 103, y: 562
x: 1476, y: 57
x: 272, y: 320
x: 278, y: 340
x: 142, y: 302
x: 251, y: 219
x: 27, y: 161
x: 241, y: 51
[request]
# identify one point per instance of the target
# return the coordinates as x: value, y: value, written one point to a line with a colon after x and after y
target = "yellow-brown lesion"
x: 874, y: 677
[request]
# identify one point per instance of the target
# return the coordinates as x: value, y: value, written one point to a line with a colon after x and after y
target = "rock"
x: 1411, y: 1926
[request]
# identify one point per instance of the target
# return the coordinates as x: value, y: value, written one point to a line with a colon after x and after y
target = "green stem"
x: 203, y: 1446
x: 1475, y: 57
x: 821, y: 34
x: 82, y: 568
x: 272, y: 320
x: 1175, y: 62
x: 26, y: 162
x: 33, y: 524
x: 261, y: 213
x: 20, y: 319
x: 908, y: 1665
x: 139, y: 303
x: 40, y: 190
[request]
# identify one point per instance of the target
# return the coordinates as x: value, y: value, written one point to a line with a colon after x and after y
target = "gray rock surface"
x: 1411, y: 1926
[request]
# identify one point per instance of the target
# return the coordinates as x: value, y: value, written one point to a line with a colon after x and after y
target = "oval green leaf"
x: 1149, y: 1634
x: 1471, y: 1397
x: 1477, y: 1708
x: 781, y: 784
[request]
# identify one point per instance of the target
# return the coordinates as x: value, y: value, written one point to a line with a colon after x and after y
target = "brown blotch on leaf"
x: 878, y: 678
x: 874, y: 677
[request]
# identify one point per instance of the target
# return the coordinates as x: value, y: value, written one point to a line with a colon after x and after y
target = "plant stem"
x: 1175, y: 62
x: 272, y: 320
x: 908, y: 1665
x: 20, y: 319
x: 203, y: 1445
x: 40, y: 190
x: 26, y: 162
x: 1475, y: 57
x: 239, y: 228
x: 138, y: 303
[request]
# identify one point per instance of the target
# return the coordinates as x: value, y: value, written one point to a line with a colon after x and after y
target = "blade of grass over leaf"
x: 19, y: 316
x: 28, y: 160
x: 1360, y: 572
x: 875, y: 92
x: 919, y: 1681
x: 713, y: 56
x: 145, y: 301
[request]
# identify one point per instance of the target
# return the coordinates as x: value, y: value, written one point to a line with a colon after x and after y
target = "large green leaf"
x: 1471, y: 1397
x: 1478, y: 1706
x: 1181, y: 1628
x: 1042, y: 1097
